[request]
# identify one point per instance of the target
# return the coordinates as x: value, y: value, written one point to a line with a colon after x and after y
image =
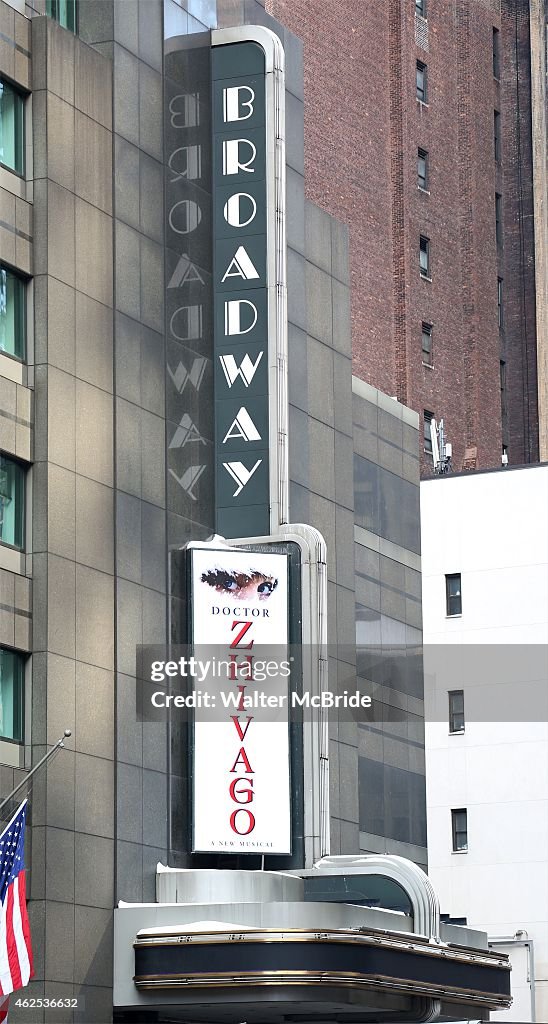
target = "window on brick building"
x: 502, y: 372
x: 420, y: 8
x: 498, y: 218
x: 422, y: 169
x: 496, y: 53
x: 422, y: 83
x: 497, y: 136
x: 459, y: 828
x: 500, y: 302
x: 424, y: 256
x: 427, y: 353
x: 453, y: 594
x: 502, y: 376
x: 427, y: 422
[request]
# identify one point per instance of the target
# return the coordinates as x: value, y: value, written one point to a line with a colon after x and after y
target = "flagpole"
x: 60, y: 743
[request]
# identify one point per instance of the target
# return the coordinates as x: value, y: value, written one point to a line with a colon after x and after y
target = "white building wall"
x: 493, y: 529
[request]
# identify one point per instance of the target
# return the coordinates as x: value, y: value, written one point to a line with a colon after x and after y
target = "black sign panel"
x: 240, y: 297
x: 188, y: 292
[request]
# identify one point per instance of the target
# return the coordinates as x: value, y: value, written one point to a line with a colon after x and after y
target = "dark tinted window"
x: 12, y: 502
x: 12, y: 667
x: 392, y: 802
x: 459, y: 823
x: 422, y: 84
x: 456, y: 711
x: 386, y: 505
x: 65, y: 12
x: 12, y: 128
x: 453, y: 594
x: 422, y: 168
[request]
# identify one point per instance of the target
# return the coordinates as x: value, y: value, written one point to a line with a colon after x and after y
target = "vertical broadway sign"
x: 248, y: 283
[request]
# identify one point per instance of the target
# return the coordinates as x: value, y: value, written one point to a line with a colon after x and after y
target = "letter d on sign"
x: 233, y: 316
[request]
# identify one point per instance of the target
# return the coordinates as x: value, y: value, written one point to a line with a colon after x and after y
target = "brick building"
x: 418, y: 135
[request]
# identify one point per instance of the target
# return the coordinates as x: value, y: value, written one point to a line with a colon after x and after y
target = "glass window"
x: 420, y: 8
x: 12, y: 502
x: 428, y: 417
x: 422, y: 168
x: 453, y: 594
x: 12, y: 676
x: 498, y: 218
x: 12, y: 132
x: 456, y: 711
x: 386, y: 505
x: 421, y: 81
x: 65, y: 12
x: 424, y: 256
x: 427, y: 355
x: 496, y: 53
x: 12, y: 313
x: 497, y: 136
x: 500, y: 308
x: 459, y: 822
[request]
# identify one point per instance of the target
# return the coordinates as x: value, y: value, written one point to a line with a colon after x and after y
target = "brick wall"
x: 519, y: 338
x: 363, y: 127
x: 348, y: 156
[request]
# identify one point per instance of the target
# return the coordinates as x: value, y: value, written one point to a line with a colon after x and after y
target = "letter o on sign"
x: 247, y: 822
x: 238, y: 207
x: 187, y: 217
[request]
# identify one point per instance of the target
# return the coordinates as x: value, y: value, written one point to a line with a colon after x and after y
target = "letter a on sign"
x: 241, y: 266
x: 242, y: 426
x: 185, y: 272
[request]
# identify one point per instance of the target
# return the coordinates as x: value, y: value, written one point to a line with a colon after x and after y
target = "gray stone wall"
x: 73, y: 556
x: 130, y: 34
x: 392, y: 796
x: 16, y: 405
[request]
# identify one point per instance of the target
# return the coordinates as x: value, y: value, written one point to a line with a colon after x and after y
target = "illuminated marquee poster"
x: 241, y: 776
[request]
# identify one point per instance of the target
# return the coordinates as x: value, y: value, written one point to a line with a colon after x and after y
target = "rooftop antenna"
x: 442, y: 450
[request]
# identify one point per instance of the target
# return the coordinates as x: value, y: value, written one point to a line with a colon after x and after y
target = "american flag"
x: 15, y: 949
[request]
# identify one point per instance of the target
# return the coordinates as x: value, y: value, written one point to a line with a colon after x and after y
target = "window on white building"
x: 456, y: 711
x: 453, y: 594
x: 459, y: 824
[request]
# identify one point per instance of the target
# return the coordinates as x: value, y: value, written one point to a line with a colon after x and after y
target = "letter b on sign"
x: 238, y: 103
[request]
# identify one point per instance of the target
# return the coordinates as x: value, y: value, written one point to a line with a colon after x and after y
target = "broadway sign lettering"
x: 243, y: 289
